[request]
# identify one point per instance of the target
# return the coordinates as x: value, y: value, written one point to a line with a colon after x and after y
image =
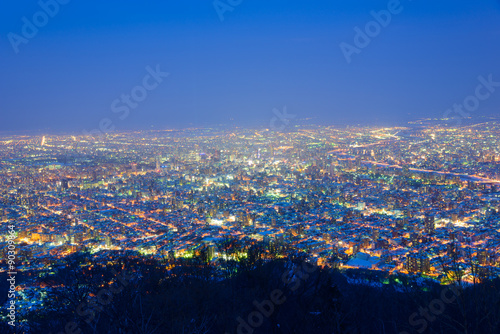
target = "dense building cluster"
x: 408, y: 200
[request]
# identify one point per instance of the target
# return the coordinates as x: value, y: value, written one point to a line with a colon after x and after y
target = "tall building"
x: 418, y: 263
x: 210, y: 252
x: 429, y: 224
x: 482, y: 257
x: 158, y: 164
x: 65, y: 184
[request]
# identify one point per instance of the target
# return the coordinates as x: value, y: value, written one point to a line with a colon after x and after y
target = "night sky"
x: 232, y: 65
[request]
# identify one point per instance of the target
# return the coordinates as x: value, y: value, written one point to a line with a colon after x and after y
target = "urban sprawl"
x: 411, y: 200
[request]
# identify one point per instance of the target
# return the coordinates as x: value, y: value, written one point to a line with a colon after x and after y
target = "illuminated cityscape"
x: 230, y: 166
x: 400, y: 199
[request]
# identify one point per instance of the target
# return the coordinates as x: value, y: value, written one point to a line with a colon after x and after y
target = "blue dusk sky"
x: 79, y: 65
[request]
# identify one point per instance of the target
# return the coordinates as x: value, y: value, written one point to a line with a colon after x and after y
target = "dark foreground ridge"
x: 136, y: 295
